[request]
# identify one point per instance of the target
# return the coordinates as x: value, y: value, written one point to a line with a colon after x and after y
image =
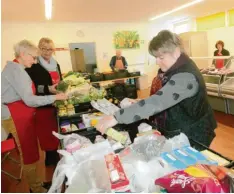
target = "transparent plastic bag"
x: 149, y: 146
x: 69, y: 139
x: 91, y: 177
x: 176, y: 142
x: 73, y: 163
x: 142, y: 174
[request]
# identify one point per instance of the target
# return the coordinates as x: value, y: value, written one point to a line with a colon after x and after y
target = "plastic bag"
x: 149, y: 146
x: 199, y: 179
x: 142, y: 174
x: 71, y: 138
x: 91, y: 168
x: 81, y: 162
x: 91, y: 177
x: 176, y: 142
x: 143, y: 127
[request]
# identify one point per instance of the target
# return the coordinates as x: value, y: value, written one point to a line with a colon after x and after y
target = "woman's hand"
x: 61, y: 96
x: 52, y: 89
x: 105, y: 123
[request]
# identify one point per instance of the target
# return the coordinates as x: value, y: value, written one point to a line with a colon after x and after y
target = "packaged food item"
x: 65, y: 126
x: 169, y: 158
x: 184, y: 157
x: 199, y: 179
x: 70, y: 110
x: 117, y: 136
x: 215, y: 158
x: 201, y: 159
x: 105, y: 106
x: 74, y: 127
x: 90, y: 120
x: 81, y: 125
x: 118, y: 179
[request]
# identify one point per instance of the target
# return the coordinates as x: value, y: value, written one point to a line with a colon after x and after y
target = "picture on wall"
x: 126, y: 40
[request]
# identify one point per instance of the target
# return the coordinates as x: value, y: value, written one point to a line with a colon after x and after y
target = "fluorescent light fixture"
x: 48, y: 9
x: 176, y: 9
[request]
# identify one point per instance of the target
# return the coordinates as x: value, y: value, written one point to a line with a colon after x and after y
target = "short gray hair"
x: 24, y: 46
x: 165, y: 42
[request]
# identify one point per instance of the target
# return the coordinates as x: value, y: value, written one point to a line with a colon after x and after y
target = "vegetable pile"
x: 78, y: 90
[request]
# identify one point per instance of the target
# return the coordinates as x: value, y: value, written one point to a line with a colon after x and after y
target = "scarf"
x: 52, y: 66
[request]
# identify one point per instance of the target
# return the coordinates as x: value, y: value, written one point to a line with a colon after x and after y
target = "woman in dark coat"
x: 46, y: 74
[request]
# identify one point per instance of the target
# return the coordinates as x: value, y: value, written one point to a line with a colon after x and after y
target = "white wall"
x: 65, y: 33
x: 225, y: 34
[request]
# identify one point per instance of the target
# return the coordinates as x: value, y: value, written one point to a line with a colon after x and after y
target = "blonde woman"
x: 46, y: 74
x: 18, y: 109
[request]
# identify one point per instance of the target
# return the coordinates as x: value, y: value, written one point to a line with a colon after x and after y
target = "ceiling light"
x: 48, y: 9
x: 176, y: 9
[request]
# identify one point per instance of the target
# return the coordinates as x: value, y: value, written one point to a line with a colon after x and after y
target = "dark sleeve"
x: 215, y: 54
x: 112, y: 63
x: 40, y: 89
x: 59, y: 71
x: 125, y: 63
x: 226, y: 53
x: 180, y: 87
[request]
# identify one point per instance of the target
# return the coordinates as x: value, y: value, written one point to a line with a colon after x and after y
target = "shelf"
x: 126, y: 78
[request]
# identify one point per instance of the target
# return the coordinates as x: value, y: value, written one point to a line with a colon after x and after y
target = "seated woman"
x: 18, y: 110
x: 45, y: 75
x: 220, y: 63
x: 178, y: 101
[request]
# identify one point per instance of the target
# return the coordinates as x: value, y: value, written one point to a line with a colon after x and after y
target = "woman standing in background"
x: 46, y: 74
x: 220, y: 63
x: 18, y: 112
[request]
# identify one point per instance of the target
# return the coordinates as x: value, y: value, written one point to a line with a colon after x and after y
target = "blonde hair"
x: 24, y: 46
x: 45, y: 40
x: 165, y: 42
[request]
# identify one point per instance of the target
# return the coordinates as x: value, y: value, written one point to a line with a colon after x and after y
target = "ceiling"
x: 106, y: 10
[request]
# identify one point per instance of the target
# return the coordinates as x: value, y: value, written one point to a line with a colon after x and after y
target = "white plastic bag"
x: 69, y: 139
x: 176, y: 142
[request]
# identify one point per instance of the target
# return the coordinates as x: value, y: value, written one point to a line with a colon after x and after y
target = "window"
x: 181, y: 27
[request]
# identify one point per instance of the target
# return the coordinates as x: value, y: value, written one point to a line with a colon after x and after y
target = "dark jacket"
x: 113, y: 60
x: 41, y: 78
x: 193, y: 116
x: 224, y: 52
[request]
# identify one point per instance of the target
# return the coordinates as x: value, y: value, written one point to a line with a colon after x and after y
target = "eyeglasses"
x: 34, y: 57
x: 47, y: 50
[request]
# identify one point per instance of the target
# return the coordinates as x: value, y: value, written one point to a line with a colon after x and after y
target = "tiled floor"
x: 223, y: 143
